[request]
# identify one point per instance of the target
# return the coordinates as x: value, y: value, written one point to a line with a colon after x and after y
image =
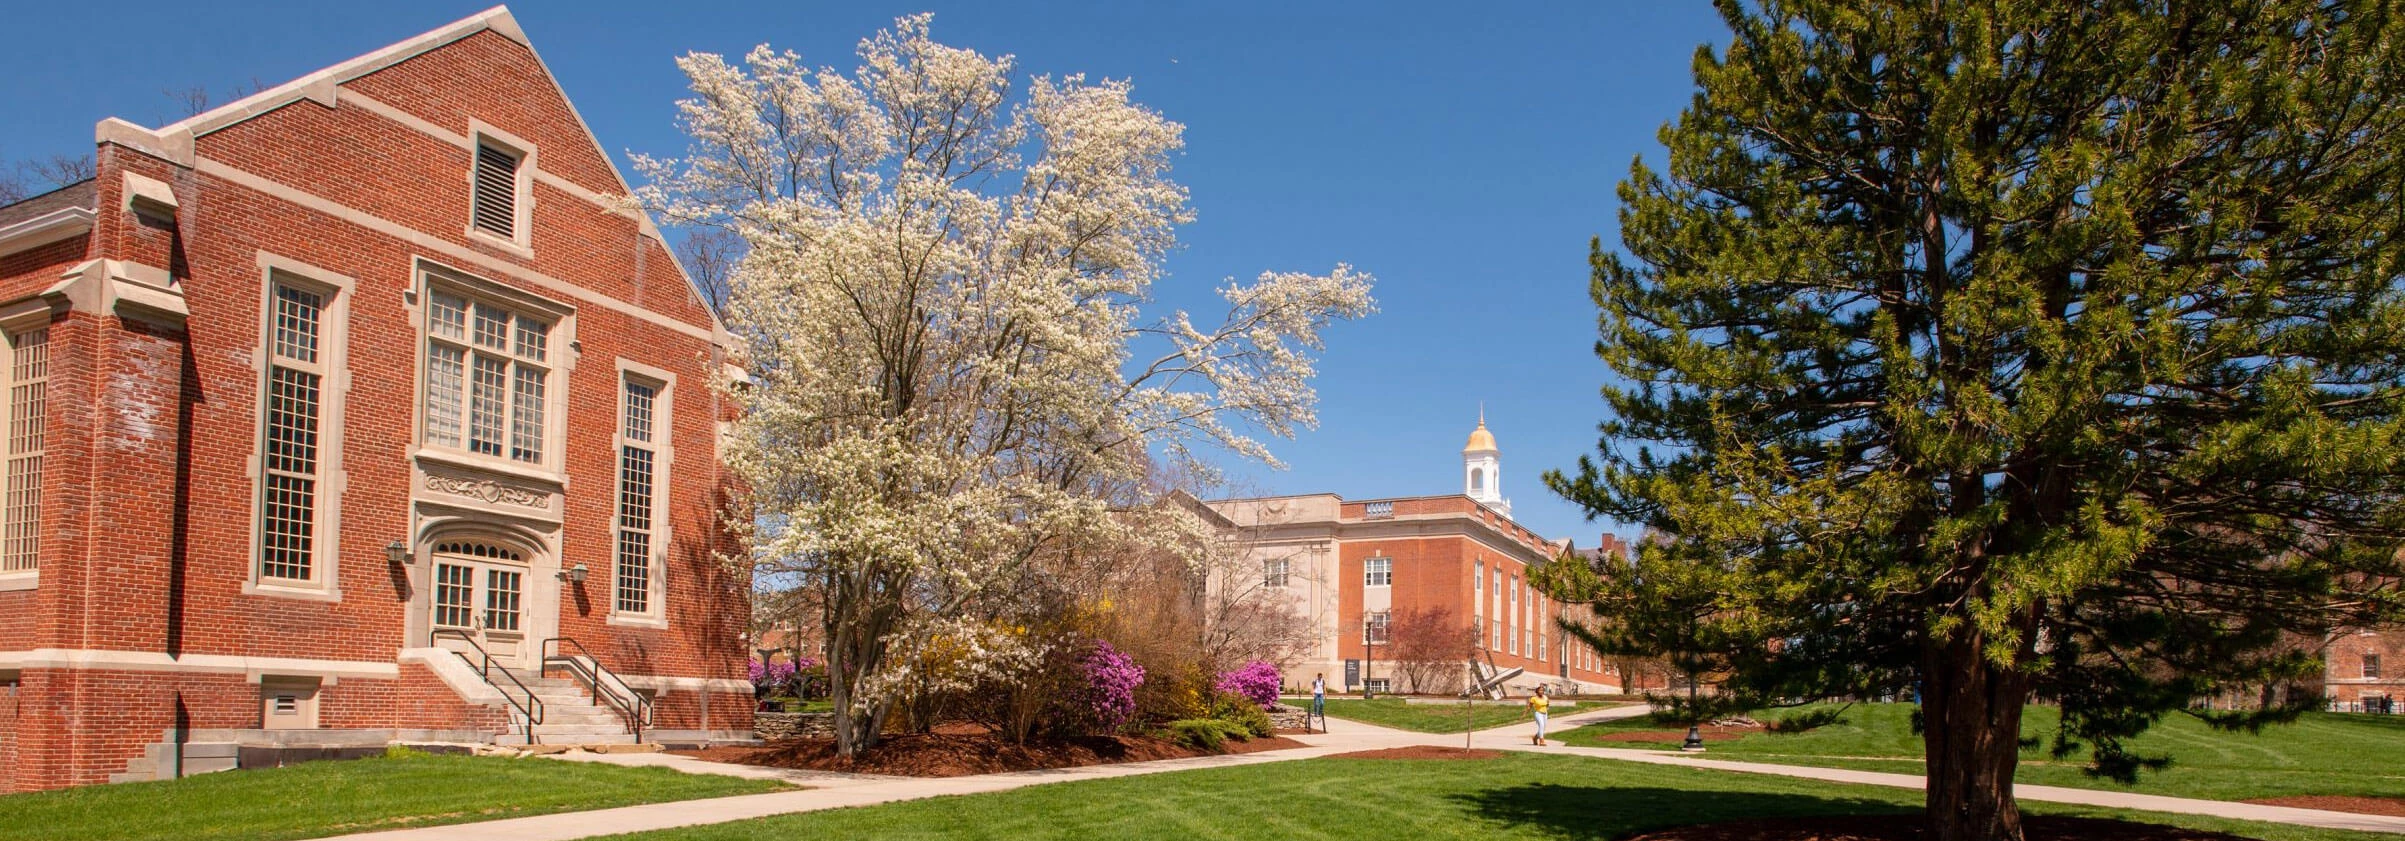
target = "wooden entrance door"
x: 480, y: 589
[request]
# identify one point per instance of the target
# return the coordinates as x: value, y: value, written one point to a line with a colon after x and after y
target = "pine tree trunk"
x: 1972, y: 710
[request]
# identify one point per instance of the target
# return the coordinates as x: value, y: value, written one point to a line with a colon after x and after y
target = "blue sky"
x: 1462, y: 158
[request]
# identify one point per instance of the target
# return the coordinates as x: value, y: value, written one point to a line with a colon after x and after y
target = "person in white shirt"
x: 1319, y: 698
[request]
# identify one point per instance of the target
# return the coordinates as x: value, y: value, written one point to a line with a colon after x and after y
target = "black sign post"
x: 1352, y: 674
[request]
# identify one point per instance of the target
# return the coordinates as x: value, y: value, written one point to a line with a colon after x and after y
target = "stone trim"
x: 663, y: 466
x: 131, y: 290
x: 150, y: 661
x: 61, y: 224
x: 691, y: 684
x: 335, y: 388
x: 430, y: 243
x: 322, y: 86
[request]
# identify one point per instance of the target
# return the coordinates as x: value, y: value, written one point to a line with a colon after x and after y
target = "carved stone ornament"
x: 487, y: 490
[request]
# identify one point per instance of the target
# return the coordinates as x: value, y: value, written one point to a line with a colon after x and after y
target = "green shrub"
x: 1249, y: 719
x: 1242, y: 713
x: 401, y: 751
x: 1209, y: 734
x: 1803, y: 721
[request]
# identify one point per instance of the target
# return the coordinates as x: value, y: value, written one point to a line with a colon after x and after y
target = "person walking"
x: 1319, y: 701
x: 1537, y: 706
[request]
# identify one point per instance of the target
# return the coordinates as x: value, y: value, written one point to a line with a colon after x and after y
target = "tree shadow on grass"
x: 1599, y: 812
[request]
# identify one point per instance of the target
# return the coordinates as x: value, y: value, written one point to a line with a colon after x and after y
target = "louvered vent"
x: 496, y: 191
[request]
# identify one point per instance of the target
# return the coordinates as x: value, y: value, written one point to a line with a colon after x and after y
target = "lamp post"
x: 1695, y: 733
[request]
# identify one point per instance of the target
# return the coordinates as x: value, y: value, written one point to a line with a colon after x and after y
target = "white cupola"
x: 1482, y: 469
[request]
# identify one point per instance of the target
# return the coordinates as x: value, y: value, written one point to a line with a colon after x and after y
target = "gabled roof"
x: 174, y: 141
x: 50, y: 217
x: 81, y: 195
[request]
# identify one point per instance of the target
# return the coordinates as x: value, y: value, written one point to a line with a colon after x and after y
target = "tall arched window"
x: 1477, y: 480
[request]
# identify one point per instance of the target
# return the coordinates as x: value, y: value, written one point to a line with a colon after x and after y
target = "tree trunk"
x: 1972, y: 712
x: 855, y: 648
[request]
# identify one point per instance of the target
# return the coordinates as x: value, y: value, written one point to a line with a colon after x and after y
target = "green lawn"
x: 1520, y: 796
x: 2322, y: 753
x: 1433, y: 718
x: 331, y: 798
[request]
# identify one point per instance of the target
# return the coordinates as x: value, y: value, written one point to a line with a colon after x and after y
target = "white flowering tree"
x: 951, y: 374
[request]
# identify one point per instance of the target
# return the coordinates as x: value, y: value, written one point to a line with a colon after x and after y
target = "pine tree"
x: 2013, y: 350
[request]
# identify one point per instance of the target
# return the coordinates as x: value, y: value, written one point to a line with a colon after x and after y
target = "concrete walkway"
x: 830, y: 790
x: 834, y: 791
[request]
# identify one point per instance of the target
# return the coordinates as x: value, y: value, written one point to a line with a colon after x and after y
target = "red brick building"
x: 310, y: 392
x: 1353, y: 566
x: 2361, y: 670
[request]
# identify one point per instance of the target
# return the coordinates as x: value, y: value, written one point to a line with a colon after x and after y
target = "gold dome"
x: 1481, y: 441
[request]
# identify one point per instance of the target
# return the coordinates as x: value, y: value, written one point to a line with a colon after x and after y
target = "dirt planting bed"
x: 2391, y: 806
x: 955, y: 751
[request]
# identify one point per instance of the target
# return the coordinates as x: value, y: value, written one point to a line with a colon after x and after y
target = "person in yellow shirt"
x: 1537, y: 706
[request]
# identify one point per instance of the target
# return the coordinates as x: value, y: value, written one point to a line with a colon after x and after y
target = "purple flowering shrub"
x: 1109, y: 693
x: 1257, y: 680
x: 772, y: 677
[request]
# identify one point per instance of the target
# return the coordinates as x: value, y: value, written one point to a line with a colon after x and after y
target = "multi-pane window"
x: 453, y: 591
x: 28, y: 405
x: 294, y: 409
x: 1273, y: 573
x: 637, y: 464
x: 2371, y: 666
x: 501, y: 588
x: 1374, y: 625
x: 487, y: 377
x: 1378, y: 572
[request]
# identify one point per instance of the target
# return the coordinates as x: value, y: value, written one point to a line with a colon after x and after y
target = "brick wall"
x: 155, y: 558
x: 2346, y: 680
x: 8, y: 736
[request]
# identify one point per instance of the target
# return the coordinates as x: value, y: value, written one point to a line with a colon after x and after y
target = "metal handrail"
x: 531, y: 708
x: 629, y: 703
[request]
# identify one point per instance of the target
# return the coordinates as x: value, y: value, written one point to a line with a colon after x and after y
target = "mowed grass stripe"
x: 2320, y: 754
x: 1519, y: 797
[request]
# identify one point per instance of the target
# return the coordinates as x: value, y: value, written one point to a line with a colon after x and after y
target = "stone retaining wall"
x: 770, y: 727
x: 1288, y: 718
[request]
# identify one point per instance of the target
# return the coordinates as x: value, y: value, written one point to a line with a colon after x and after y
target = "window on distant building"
x: 1273, y: 573
x: 1378, y: 572
x: 488, y: 377
x: 28, y: 418
x: 1374, y: 626
x: 2371, y: 666
x: 641, y: 403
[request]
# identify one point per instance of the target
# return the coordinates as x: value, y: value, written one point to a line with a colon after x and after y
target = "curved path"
x: 829, y: 790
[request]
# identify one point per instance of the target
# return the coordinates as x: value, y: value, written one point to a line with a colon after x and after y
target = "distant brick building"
x: 309, y: 392
x: 2361, y: 670
x: 1352, y: 566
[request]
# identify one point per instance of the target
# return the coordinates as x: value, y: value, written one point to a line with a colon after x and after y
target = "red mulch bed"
x: 1421, y: 752
x: 2391, y: 806
x: 1915, y: 828
x: 956, y: 751
x: 1711, y: 733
